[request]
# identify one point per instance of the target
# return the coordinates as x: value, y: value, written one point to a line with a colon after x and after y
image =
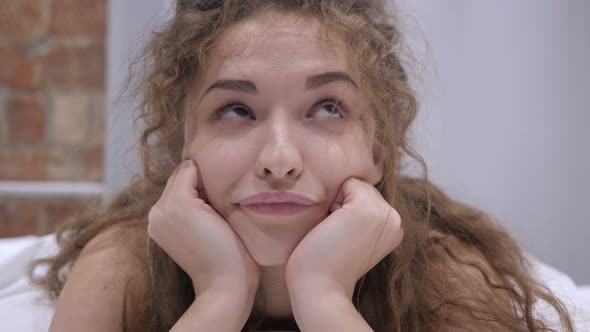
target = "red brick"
x: 26, y: 74
x: 63, y: 66
x: 61, y: 210
x: 3, y: 218
x: 20, y: 217
x: 75, y: 66
x: 92, y: 163
x: 26, y: 119
x: 71, y: 123
x: 40, y: 215
x: 37, y: 163
x: 97, y: 116
x: 11, y: 51
x: 3, y: 131
x: 24, y: 19
x: 19, y: 70
x: 92, y: 73
x: 69, y: 169
x: 23, y: 164
x: 81, y: 18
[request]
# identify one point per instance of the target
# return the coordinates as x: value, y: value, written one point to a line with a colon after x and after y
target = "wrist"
x: 322, y: 305
x: 326, y: 311
x: 217, y: 311
x: 315, y: 287
x: 223, y: 281
x: 241, y: 289
x: 308, y: 296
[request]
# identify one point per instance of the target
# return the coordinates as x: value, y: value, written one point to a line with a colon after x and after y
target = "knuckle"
x: 157, y: 219
x: 150, y: 231
x: 155, y: 213
x: 397, y: 217
x: 156, y: 216
x: 151, y: 221
x: 169, y: 181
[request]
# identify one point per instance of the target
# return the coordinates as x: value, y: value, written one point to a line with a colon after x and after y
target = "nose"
x: 279, y: 158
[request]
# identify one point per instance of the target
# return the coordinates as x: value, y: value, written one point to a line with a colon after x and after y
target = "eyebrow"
x: 313, y: 82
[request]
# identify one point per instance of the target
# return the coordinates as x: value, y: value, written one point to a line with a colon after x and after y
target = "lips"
x: 277, y: 197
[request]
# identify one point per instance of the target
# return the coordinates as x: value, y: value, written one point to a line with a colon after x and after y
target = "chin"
x: 270, y: 251
x: 269, y: 247
x: 271, y: 243
x: 274, y: 260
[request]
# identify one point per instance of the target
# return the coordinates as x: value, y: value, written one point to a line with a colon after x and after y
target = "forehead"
x: 279, y: 43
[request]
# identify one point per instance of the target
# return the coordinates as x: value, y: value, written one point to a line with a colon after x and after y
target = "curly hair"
x: 406, y: 291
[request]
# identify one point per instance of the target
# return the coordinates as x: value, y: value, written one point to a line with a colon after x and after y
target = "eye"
x: 334, y: 106
x: 236, y: 107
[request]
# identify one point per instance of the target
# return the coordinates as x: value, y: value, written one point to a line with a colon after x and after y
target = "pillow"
x: 24, y: 307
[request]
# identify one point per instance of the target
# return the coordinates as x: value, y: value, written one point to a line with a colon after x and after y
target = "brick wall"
x: 52, y: 107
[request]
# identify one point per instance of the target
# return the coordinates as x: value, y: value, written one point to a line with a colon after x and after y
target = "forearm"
x: 212, y: 311
x: 315, y: 310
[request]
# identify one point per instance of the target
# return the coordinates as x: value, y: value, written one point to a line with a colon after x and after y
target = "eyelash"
x: 333, y: 100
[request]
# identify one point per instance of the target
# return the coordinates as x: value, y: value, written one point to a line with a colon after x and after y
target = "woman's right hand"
x: 197, y: 238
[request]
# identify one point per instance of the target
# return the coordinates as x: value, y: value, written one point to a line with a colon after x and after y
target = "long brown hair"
x: 403, y: 292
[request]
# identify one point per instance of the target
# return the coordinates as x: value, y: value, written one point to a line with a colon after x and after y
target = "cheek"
x: 219, y: 173
x: 336, y: 161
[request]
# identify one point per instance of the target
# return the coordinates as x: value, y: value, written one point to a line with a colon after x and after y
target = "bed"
x: 24, y: 308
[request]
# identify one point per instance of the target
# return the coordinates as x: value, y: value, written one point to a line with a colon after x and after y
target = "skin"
x: 280, y: 139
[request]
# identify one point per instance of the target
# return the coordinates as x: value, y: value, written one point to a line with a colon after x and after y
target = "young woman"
x: 271, y: 195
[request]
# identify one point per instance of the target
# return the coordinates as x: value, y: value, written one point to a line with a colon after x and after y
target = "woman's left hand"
x: 361, y: 229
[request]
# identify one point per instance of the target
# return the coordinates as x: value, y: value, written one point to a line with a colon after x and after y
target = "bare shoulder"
x: 126, y: 239
x: 471, y: 294
x: 93, y: 295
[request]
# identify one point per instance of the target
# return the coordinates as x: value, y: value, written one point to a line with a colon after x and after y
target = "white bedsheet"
x: 24, y: 308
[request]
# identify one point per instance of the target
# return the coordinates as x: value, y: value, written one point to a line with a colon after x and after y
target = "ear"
x: 378, y: 164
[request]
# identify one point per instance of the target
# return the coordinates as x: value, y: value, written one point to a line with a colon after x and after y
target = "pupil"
x: 331, y: 107
x: 240, y: 111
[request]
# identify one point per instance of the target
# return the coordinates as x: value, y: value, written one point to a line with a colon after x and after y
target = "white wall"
x: 130, y: 22
x: 505, y: 107
x: 504, y: 125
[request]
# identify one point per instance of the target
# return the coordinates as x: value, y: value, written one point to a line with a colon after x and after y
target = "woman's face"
x: 280, y: 131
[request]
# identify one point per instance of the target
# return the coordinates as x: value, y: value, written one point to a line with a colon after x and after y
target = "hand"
x: 360, y: 231
x: 196, y: 237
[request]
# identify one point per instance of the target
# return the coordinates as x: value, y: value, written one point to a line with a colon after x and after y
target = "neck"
x: 272, y: 299
x: 278, y: 324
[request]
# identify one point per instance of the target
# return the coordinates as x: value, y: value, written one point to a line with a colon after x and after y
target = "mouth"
x: 276, y: 209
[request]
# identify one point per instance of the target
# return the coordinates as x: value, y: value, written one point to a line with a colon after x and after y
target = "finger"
x: 170, y: 181
x: 338, y: 200
x: 335, y: 206
x: 189, y: 179
x: 346, y: 190
x: 339, y: 196
x: 200, y: 187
